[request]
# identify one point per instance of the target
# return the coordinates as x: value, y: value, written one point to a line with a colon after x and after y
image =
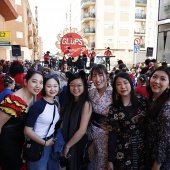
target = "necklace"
x: 129, y: 104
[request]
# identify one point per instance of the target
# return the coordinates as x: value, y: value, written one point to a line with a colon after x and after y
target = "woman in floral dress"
x: 100, y: 97
x: 126, y: 121
x: 158, y: 122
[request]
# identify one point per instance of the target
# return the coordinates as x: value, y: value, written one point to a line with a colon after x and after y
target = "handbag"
x: 90, y: 150
x: 33, y: 151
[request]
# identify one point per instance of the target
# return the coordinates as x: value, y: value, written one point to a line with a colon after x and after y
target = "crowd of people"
x: 127, y: 111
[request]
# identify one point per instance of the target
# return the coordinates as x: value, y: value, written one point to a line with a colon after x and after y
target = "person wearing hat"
x: 92, y: 57
x: 47, y: 57
x: 107, y: 53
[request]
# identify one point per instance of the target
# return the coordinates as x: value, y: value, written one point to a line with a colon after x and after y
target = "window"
x: 164, y: 9
x: 19, y: 19
x: 18, y: 2
x: 19, y: 34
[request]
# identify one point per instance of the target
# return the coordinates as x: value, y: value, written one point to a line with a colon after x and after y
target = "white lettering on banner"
x: 72, y: 41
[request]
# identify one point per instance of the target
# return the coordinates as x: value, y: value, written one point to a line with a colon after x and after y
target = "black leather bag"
x: 90, y: 150
x: 32, y: 151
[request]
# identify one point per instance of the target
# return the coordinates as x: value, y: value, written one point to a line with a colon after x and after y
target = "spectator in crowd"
x: 76, y: 117
x: 84, y: 54
x: 47, y: 58
x: 2, y: 75
x: 16, y: 71
x: 141, y: 85
x: 158, y: 120
x: 13, y: 111
x: 40, y: 117
x: 146, y: 68
x: 126, y: 121
x: 101, y: 98
x: 9, y: 84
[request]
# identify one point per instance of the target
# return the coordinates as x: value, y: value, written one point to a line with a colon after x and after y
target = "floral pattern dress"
x: 101, y: 106
x: 158, y: 138
x: 127, y: 135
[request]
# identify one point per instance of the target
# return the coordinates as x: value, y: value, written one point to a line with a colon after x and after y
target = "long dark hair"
x: 117, y: 100
x: 72, y: 121
x: 155, y: 106
x: 16, y: 68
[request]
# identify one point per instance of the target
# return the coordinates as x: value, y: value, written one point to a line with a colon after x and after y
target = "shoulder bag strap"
x: 52, y: 119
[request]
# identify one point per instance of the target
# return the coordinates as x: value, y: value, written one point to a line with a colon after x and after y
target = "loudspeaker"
x: 16, y: 50
x: 149, y: 51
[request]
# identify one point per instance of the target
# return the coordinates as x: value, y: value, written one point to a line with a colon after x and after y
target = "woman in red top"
x: 141, y: 85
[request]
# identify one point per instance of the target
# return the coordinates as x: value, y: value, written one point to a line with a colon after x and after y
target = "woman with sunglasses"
x: 42, y: 113
x: 76, y: 116
x: 13, y: 111
x: 9, y: 84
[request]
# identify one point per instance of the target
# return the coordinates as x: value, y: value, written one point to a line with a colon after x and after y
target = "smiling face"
x: 35, y: 84
x: 76, y: 88
x: 99, y: 79
x: 159, y: 82
x: 123, y: 87
x: 51, y: 88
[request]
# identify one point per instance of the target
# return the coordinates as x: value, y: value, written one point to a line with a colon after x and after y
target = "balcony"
x: 86, y: 17
x: 139, y: 31
x: 141, y: 3
x: 88, y: 30
x: 140, y: 16
x: 142, y: 45
x: 29, y: 19
x: 31, y: 45
x: 8, y: 10
x: 30, y: 32
x: 87, y: 3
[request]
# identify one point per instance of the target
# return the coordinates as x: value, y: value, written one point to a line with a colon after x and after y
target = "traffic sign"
x: 136, y: 49
x: 137, y: 41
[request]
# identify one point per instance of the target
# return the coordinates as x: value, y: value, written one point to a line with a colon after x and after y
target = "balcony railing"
x: 139, y: 31
x: 88, y: 15
x: 88, y: 30
x: 84, y: 1
x: 141, y: 1
x: 140, y: 16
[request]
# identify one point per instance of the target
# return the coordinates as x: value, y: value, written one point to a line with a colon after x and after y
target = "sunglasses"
x: 48, y: 76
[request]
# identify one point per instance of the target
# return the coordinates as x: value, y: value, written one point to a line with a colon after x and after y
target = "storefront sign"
x: 4, y: 38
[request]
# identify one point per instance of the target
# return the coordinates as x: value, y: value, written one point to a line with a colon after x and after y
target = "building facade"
x: 116, y: 24
x: 24, y: 32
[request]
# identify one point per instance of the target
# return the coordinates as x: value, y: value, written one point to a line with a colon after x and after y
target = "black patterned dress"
x: 158, y: 138
x: 126, y: 138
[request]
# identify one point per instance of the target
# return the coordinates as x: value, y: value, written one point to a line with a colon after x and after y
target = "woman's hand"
x: 66, y: 150
x: 49, y: 142
x: 156, y: 166
x: 110, y: 166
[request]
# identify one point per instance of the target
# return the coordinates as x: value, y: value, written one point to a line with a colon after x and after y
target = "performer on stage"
x: 107, y: 53
x: 67, y: 57
x: 84, y: 55
x: 92, y: 57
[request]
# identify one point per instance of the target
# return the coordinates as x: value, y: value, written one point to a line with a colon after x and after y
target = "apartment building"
x: 24, y: 32
x: 116, y: 24
x: 163, y: 35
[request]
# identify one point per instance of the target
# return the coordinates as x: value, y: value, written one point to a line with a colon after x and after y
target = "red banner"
x: 74, y: 41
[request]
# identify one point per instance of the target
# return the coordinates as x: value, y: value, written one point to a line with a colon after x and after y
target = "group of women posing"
x: 127, y: 133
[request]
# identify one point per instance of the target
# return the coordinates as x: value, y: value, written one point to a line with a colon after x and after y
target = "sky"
x: 51, y: 17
